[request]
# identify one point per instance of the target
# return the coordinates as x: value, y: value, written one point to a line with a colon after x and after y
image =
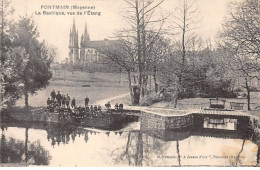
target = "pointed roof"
x: 102, y: 43
x: 86, y: 35
x: 86, y: 29
x: 74, y: 27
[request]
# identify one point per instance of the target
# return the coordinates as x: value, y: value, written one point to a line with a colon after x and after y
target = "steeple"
x: 74, y: 26
x: 82, y: 41
x: 86, y: 35
x: 74, y: 35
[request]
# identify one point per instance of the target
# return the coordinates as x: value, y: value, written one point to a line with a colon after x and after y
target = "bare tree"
x: 241, y: 37
x: 137, y: 38
x: 120, y: 54
x: 185, y: 18
x: 184, y: 22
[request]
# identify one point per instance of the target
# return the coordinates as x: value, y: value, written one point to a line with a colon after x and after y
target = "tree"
x: 157, y: 54
x: 137, y: 38
x: 5, y: 11
x: 36, y: 73
x: 240, y: 36
x: 183, y: 25
x: 5, y: 42
x: 119, y: 54
x: 15, y: 62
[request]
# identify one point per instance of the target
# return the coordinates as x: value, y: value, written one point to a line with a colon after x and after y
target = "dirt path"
x: 104, y: 101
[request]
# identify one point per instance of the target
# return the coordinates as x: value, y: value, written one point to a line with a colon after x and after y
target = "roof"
x: 101, y: 43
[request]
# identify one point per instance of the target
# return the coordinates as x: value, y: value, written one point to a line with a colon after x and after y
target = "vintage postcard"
x: 130, y: 83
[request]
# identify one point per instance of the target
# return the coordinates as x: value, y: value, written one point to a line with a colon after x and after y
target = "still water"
x: 64, y: 145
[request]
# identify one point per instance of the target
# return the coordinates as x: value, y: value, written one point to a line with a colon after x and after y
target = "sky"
x: 55, y: 29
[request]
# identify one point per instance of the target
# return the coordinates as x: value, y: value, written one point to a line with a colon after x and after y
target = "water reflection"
x: 224, y: 123
x: 17, y: 151
x: 142, y: 149
x: 66, y: 145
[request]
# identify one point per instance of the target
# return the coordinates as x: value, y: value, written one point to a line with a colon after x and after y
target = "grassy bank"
x: 97, y: 86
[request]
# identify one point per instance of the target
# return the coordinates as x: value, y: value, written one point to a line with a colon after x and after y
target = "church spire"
x: 74, y: 27
x: 86, y: 28
x: 74, y: 35
x: 86, y: 35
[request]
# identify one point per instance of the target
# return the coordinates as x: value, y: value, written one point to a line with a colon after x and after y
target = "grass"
x: 102, y: 86
x: 95, y: 79
x: 197, y: 103
x: 108, y: 85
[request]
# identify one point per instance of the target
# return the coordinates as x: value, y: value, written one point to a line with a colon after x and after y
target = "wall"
x: 151, y: 121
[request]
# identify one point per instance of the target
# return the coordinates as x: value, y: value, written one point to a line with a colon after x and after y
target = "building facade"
x: 87, y: 52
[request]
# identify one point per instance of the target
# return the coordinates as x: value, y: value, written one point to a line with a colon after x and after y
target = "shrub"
x: 150, y: 99
x: 253, y: 89
x: 238, y: 90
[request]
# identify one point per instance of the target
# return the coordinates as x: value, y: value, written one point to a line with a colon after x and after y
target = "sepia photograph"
x: 130, y: 83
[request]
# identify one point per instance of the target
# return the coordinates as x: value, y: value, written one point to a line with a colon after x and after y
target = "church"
x: 87, y: 52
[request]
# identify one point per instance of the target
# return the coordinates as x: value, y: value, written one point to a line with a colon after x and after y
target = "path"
x: 168, y: 111
x: 104, y: 101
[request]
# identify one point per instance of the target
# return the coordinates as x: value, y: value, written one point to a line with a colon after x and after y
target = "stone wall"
x: 150, y: 121
x: 32, y: 115
x: 102, y: 121
x: 174, y: 122
x: 255, y: 127
x: 107, y: 121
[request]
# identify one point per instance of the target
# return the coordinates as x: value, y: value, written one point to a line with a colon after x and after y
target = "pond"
x: 66, y: 145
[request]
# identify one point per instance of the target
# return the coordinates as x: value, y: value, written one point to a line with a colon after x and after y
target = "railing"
x: 217, y: 104
x: 236, y: 105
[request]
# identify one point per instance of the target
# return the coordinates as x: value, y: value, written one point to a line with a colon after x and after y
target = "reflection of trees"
x: 255, y: 138
x: 63, y: 134
x: 238, y: 156
x: 258, y: 155
x: 178, y: 152
x: 139, y: 150
x: 15, y: 151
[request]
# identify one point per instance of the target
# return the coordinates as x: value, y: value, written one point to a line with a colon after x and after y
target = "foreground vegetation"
x: 25, y: 60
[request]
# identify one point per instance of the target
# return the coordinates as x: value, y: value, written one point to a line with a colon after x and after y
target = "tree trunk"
x: 155, y: 80
x: 145, y: 83
x: 130, y: 86
x: 139, y: 55
x: 248, y: 95
x: 26, y: 96
x: 1, y: 47
x: 248, y: 99
x: 26, y: 144
x: 175, y: 99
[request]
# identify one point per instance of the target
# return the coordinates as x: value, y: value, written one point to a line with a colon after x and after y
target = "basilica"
x: 87, y: 52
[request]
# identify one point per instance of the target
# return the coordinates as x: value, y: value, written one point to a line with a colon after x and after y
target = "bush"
x: 150, y: 99
x: 220, y: 94
x: 238, y: 90
x: 253, y: 89
x: 187, y: 94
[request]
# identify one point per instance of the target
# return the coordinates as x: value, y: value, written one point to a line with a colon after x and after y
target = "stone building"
x: 87, y: 52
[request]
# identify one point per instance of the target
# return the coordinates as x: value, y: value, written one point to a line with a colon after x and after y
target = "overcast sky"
x: 55, y: 29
